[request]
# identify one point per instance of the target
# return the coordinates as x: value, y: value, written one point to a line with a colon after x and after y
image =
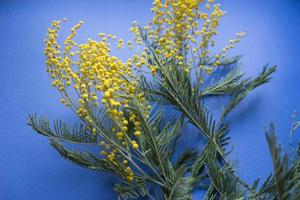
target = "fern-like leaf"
x: 287, y: 181
x: 134, y: 190
x: 83, y: 159
x: 167, y: 139
x: 226, y: 85
x: 249, y: 85
x: 78, y: 134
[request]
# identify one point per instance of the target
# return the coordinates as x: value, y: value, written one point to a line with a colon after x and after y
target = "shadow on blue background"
x: 31, y: 169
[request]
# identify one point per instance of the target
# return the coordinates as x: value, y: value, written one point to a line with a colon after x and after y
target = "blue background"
x: 31, y: 169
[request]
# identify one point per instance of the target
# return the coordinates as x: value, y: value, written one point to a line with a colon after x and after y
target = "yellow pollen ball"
x: 137, y: 133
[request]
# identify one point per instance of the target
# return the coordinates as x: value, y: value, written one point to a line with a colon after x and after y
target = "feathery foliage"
x: 78, y: 134
x: 138, y: 145
x: 83, y: 159
x: 287, y: 178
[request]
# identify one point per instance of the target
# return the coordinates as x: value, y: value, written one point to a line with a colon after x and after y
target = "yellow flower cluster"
x: 174, y: 22
x: 91, y: 71
x: 231, y: 45
x: 185, y: 30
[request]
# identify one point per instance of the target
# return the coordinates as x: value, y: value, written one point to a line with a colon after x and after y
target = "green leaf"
x: 167, y: 139
x: 225, y: 183
x: 83, y: 159
x: 266, y: 191
x: 78, y: 134
x: 177, y: 89
x: 248, y: 86
x: 151, y: 91
x: 186, y: 158
x: 229, y: 84
x: 134, y: 190
x: 287, y: 181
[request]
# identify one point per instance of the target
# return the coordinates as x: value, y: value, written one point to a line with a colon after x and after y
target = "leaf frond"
x: 249, y: 85
x: 83, y: 159
x: 78, y: 134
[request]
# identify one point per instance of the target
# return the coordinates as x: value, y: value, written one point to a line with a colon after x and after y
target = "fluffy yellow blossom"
x: 134, y: 144
x: 92, y: 72
x: 137, y: 133
x: 186, y: 29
